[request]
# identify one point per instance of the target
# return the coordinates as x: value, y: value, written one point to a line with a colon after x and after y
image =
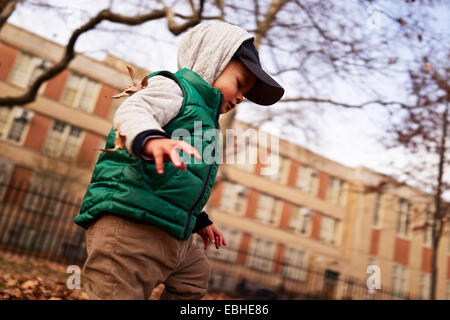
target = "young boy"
x: 144, y: 202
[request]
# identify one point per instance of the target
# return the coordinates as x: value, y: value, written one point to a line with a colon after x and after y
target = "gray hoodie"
x: 206, y: 49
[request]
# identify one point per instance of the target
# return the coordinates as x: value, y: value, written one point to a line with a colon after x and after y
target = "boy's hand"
x: 213, y: 234
x: 164, y: 149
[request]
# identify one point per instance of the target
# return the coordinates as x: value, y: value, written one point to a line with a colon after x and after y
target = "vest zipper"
x: 209, y: 171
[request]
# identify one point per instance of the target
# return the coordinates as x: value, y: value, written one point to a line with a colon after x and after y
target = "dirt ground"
x: 22, y: 279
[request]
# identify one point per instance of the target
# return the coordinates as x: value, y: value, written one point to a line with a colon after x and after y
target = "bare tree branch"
x: 104, y: 15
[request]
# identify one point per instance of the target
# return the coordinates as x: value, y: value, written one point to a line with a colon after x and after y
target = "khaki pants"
x: 127, y: 260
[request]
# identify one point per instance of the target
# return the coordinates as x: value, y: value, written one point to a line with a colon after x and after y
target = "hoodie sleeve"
x: 143, y: 114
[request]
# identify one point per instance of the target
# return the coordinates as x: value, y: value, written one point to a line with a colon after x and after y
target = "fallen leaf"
x: 30, y: 284
x: 11, y: 283
x: 119, y: 141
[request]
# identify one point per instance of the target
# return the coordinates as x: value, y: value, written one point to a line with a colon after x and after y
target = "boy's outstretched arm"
x: 142, y: 115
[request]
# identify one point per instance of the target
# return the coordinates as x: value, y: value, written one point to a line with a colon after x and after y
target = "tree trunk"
x: 438, y: 216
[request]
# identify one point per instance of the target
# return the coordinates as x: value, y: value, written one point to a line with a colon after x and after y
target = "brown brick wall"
x: 243, y: 249
x: 316, y: 224
x: 39, y: 128
x: 253, y: 199
x: 401, y: 251
x: 104, y: 101
x: 293, y: 173
x: 7, y: 57
x: 279, y: 257
x: 426, y: 259
x: 55, y: 86
x: 323, y: 185
x: 20, y: 179
x: 286, y: 215
x: 374, y: 242
x: 88, y: 149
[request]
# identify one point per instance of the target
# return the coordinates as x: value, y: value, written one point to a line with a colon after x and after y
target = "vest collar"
x: 208, y: 92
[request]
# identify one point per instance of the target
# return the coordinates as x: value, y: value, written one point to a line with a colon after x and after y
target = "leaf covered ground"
x: 28, y: 280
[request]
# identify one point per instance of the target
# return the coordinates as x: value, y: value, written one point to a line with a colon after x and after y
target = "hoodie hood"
x: 208, y: 48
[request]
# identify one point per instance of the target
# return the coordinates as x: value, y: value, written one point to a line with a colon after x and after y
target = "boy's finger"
x: 157, y: 155
x: 211, y: 235
x: 205, y: 242
x: 187, y: 148
x: 217, y: 241
x: 176, y: 160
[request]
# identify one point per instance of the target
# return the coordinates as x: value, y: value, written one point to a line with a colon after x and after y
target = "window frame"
x: 83, y: 83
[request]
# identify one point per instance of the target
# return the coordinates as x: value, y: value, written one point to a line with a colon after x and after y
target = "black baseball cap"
x: 266, y: 91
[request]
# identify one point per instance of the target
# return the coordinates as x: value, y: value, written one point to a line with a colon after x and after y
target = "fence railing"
x: 38, y: 223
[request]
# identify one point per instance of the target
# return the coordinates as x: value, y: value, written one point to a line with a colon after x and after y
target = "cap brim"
x: 266, y: 91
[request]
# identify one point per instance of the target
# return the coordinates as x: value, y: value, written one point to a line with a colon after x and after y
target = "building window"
x: 260, y: 255
x: 301, y: 220
x: 282, y: 174
x: 80, y: 92
x: 307, y: 180
x: 403, y: 218
x: 330, y: 230
x: 425, y: 286
x: 377, y: 214
x: 230, y: 251
x: 21, y: 71
x: 428, y: 229
x: 26, y: 69
x: 14, y: 122
x: 295, y: 264
x: 246, y: 155
x: 269, y: 210
x: 63, y: 141
x: 234, y: 198
x: 336, y: 191
x: 398, y: 281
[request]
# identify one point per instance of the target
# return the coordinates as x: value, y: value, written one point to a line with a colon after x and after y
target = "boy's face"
x: 234, y: 82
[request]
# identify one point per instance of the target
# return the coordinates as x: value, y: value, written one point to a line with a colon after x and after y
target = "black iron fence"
x: 38, y: 223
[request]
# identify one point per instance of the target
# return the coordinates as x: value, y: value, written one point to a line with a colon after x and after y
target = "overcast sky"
x: 347, y: 136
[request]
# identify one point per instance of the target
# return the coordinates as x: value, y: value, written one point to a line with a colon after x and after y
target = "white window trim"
x: 307, y: 177
x: 304, y: 216
x: 62, y: 141
x: 297, y: 272
x: 399, y: 278
x: 282, y: 174
x: 380, y: 198
x: 14, y: 113
x: 425, y: 286
x: 402, y: 218
x: 80, y: 93
x: 268, y: 210
x: 261, y: 259
x: 234, y: 199
x: 332, y: 236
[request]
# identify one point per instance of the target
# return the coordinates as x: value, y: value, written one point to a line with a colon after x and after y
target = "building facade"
x: 311, y: 213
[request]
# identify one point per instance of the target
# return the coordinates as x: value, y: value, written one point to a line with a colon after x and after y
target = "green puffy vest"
x: 130, y: 187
